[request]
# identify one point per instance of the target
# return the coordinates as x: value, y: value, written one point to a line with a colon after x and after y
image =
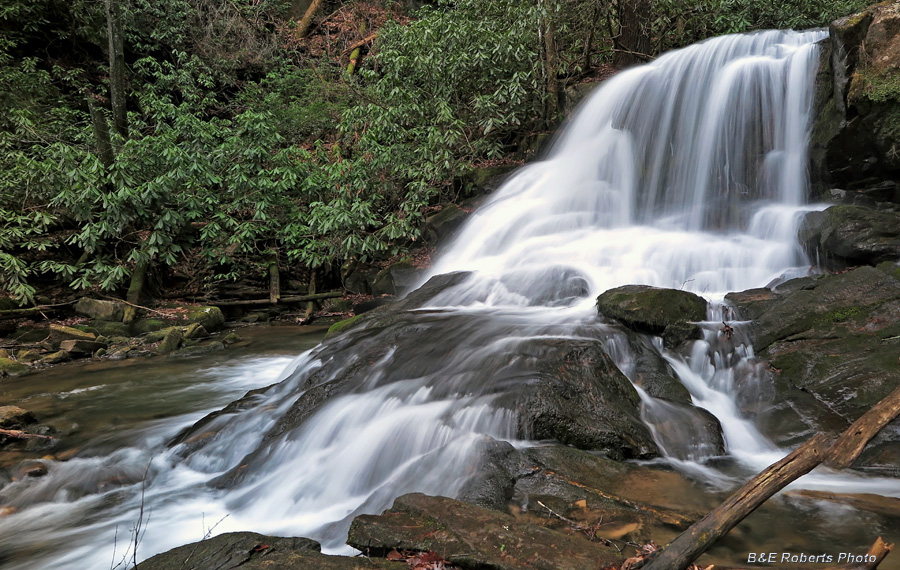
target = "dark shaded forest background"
x: 185, y: 144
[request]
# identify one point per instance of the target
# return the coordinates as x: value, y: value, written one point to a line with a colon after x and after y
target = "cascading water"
x: 688, y: 173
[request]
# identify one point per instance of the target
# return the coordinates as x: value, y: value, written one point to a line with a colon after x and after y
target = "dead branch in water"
x: 840, y: 451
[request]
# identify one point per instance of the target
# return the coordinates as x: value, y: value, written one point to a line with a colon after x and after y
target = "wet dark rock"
x: 650, y: 309
x: 100, y: 310
x: 485, y: 180
x: 851, y: 235
x: 15, y: 417
x: 35, y: 470
x: 577, y: 395
x: 832, y: 343
x: 676, y: 334
x: 251, y: 551
x: 649, y: 370
x: 81, y: 347
x: 560, y: 477
x: 441, y: 226
x: 475, y: 538
x: 856, y: 136
x: 395, y: 279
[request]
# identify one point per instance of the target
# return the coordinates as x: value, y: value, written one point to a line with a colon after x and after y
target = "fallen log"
x: 357, y: 45
x: 686, y: 547
x: 31, y: 311
x: 283, y: 300
x: 19, y: 434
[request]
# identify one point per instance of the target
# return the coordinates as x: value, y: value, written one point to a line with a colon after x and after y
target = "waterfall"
x: 688, y: 172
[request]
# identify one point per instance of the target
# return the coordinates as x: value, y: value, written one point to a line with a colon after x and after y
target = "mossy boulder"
x: 109, y: 328
x: 59, y: 333
x: 11, y: 368
x: 651, y: 309
x: 851, y: 235
x: 210, y: 317
x: 144, y: 326
x: 171, y: 341
x: 57, y: 357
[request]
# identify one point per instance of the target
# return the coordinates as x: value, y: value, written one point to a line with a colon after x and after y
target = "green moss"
x: 340, y: 326
x: 144, y: 326
x: 876, y: 87
x: 842, y: 314
x: 10, y: 367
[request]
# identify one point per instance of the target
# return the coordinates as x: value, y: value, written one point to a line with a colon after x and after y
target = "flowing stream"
x: 688, y: 172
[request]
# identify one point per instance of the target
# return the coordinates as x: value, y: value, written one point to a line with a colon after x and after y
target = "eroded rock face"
x: 851, y: 235
x: 856, y: 138
x: 833, y: 343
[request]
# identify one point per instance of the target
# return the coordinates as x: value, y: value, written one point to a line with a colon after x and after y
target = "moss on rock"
x: 651, y: 309
x: 341, y: 326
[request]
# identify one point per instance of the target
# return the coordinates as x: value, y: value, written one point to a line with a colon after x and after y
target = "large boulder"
x: 832, y: 343
x: 100, y: 310
x: 651, y: 309
x: 471, y: 537
x: 851, y: 235
x: 251, y: 551
x: 856, y: 137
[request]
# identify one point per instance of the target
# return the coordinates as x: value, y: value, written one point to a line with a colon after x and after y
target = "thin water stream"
x: 686, y: 173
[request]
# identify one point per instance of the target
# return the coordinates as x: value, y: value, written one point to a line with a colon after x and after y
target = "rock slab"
x: 475, y: 538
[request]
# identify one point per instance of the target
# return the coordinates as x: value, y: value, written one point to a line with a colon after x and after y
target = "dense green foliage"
x: 245, y: 142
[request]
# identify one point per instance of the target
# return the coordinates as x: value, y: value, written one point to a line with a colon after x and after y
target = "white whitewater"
x: 689, y: 172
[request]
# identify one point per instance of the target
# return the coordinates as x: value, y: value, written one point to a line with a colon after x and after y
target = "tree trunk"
x: 311, y: 305
x: 117, y: 67
x: 135, y: 289
x: 306, y: 22
x: 681, y: 552
x: 101, y: 132
x: 274, y: 280
x: 633, y: 40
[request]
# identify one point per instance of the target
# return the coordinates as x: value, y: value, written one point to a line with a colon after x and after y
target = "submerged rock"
x: 251, y: 551
x: 475, y: 538
x: 651, y: 309
x: 15, y: 417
